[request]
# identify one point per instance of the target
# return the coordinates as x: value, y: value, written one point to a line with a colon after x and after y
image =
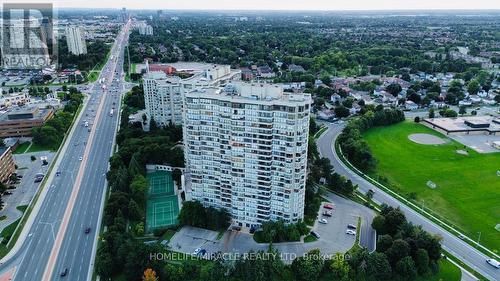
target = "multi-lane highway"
x: 469, y: 255
x: 62, y: 232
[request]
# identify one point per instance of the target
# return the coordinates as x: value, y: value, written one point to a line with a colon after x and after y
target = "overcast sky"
x: 281, y: 4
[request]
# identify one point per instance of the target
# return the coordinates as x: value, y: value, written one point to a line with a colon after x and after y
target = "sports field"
x: 467, y: 191
x: 162, y: 205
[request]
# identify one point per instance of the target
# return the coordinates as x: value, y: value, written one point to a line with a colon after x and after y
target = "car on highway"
x: 328, y: 206
x: 323, y: 221
x: 87, y: 230
x: 64, y: 272
x: 350, y: 232
x: 493, y: 262
x: 58, y: 173
x: 351, y: 226
x: 80, y: 158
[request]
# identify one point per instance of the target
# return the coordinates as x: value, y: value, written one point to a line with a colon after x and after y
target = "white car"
x: 197, y: 251
x: 350, y: 232
x: 323, y: 221
x: 493, y: 263
x: 80, y: 158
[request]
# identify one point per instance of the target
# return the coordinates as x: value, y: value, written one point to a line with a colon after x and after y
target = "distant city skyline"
x: 283, y: 4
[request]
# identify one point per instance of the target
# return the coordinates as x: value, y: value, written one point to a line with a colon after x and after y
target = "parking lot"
x: 333, y: 238
x: 26, y: 188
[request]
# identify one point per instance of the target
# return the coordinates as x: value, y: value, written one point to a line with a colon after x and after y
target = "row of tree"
x: 51, y: 134
x: 278, y: 231
x: 119, y: 251
x: 193, y: 213
x: 351, y: 140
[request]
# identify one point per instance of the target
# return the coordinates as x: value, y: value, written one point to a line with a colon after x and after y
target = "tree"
x: 378, y: 266
x: 397, y: 251
x: 149, y: 275
x: 450, y: 113
x: 431, y: 113
x: 341, y: 111
x: 340, y: 268
x: 394, y: 220
x: 497, y: 98
x: 394, y: 89
x: 406, y: 268
x: 384, y: 242
x: 416, y: 119
x: 473, y: 87
x: 378, y: 224
x: 462, y: 110
x: 422, y: 261
x: 309, y: 266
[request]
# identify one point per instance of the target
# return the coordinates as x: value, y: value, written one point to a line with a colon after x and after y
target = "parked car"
x: 197, y: 251
x: 328, y: 206
x: 327, y: 213
x: 323, y: 221
x: 315, y: 234
x: 351, y: 226
x: 350, y: 232
x: 236, y: 227
x: 493, y: 262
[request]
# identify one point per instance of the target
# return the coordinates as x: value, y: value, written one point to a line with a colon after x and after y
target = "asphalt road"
x: 77, y: 195
x: 463, y: 251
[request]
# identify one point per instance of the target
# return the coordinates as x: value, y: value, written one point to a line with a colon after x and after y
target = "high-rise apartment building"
x: 76, y: 40
x: 163, y: 93
x: 245, y: 148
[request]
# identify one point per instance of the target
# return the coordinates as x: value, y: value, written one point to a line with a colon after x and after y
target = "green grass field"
x: 468, y: 188
x: 447, y: 272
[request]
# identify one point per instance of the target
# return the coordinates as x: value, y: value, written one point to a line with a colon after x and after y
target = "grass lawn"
x: 21, y: 148
x: 447, y: 272
x: 9, y: 230
x: 168, y: 234
x: 35, y: 148
x: 310, y: 238
x: 468, y: 188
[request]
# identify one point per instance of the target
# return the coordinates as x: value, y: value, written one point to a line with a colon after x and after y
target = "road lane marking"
x: 69, y: 209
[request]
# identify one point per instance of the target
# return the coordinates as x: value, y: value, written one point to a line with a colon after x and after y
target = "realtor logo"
x: 27, y: 36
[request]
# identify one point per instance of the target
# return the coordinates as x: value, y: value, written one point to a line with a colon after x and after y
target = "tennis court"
x: 162, y: 205
x: 160, y: 183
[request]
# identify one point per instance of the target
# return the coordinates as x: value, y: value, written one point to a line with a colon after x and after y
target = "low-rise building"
x: 20, y: 122
x: 7, y: 166
x: 14, y: 99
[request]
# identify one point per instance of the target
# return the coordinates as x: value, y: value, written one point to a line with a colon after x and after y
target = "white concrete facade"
x: 163, y: 94
x: 245, y: 149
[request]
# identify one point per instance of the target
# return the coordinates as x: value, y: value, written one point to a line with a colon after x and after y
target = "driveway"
x: 347, y: 212
x: 333, y: 237
x: 26, y: 188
